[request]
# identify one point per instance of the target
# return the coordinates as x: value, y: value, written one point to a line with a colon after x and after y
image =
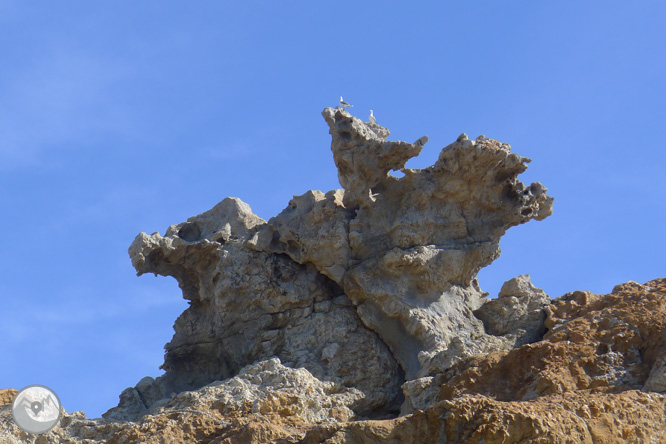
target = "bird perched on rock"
x: 344, y: 104
x: 372, y: 118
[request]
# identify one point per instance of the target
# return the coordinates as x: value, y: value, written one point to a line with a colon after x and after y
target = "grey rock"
x: 363, y: 156
x: 312, y: 229
x: 419, y: 394
x: 130, y: 406
x: 417, y: 242
x: 265, y: 389
x: 518, y: 313
x: 363, y: 287
x: 254, y: 387
x: 247, y: 305
x: 656, y: 381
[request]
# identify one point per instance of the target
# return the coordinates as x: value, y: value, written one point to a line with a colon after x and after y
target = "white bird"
x: 372, y: 118
x: 344, y: 104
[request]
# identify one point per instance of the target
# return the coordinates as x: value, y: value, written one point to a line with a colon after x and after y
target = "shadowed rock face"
x: 518, y: 313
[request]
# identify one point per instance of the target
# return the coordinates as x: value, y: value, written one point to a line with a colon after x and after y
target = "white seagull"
x: 372, y: 118
x: 344, y: 104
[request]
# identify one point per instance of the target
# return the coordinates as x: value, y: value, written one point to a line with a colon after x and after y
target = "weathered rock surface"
x: 267, y: 391
x: 248, y: 305
x: 586, y: 381
x: 351, y: 306
x: 518, y: 313
x: 407, y: 250
x: 420, y: 240
x: 7, y: 396
x: 314, y: 229
x: 364, y: 286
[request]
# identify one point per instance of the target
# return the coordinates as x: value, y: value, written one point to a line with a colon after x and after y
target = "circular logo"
x: 36, y: 409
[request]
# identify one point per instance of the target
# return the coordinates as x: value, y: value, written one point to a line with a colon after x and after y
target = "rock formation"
x: 593, y: 378
x: 355, y: 316
x: 248, y: 305
x: 364, y: 286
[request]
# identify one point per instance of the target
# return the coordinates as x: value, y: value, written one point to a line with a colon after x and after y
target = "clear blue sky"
x: 121, y: 117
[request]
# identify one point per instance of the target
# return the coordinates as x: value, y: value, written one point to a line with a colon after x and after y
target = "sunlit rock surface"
x: 248, y: 305
x: 365, y: 286
x: 355, y: 316
x: 593, y: 378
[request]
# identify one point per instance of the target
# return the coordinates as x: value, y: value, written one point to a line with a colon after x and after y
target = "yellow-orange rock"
x: 7, y: 396
x: 584, y: 382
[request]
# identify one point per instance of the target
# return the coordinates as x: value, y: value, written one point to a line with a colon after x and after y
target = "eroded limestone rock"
x: 300, y: 326
x: 248, y: 305
x: 518, y: 313
x: 584, y: 382
x: 314, y: 229
x: 418, y: 241
x: 271, y: 389
x: 266, y: 389
x: 348, y: 282
x: 363, y: 156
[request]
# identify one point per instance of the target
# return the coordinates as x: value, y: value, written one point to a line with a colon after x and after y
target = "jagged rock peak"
x: 363, y: 156
x: 364, y: 286
x: 417, y: 242
x: 363, y: 303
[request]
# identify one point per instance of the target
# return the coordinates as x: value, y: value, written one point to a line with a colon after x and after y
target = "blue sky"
x: 122, y: 117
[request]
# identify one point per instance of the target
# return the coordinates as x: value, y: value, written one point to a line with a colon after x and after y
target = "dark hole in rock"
x: 509, y: 192
x: 503, y: 175
x: 602, y: 349
x: 345, y: 135
x: 294, y: 249
x: 378, y: 189
x: 190, y: 232
x: 526, y: 212
x: 276, y: 244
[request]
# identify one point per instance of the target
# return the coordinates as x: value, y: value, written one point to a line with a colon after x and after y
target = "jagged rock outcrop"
x: 588, y: 380
x: 248, y: 305
x: 518, y: 313
x: 366, y: 286
x: 354, y: 306
x: 407, y: 250
x: 267, y: 391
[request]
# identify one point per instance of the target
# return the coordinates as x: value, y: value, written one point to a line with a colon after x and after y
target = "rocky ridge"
x: 355, y: 316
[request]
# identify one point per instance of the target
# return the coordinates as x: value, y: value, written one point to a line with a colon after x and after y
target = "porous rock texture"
x: 248, y: 305
x: 593, y: 378
x: 407, y: 250
x: 517, y: 313
x: 354, y: 316
x: 366, y: 286
x: 7, y: 396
